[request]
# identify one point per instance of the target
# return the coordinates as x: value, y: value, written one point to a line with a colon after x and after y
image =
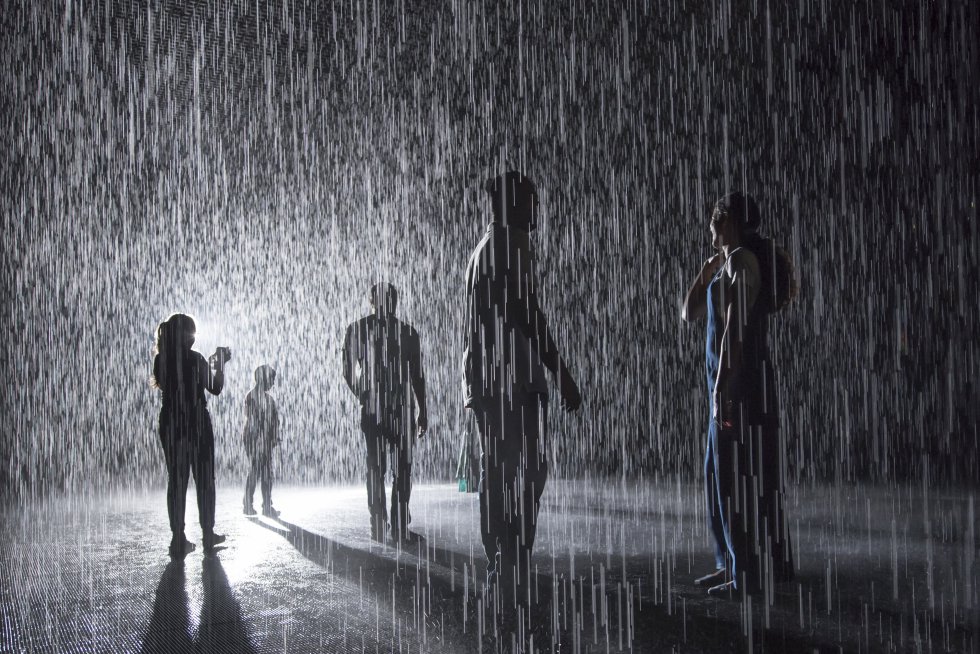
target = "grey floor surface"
x: 878, y: 569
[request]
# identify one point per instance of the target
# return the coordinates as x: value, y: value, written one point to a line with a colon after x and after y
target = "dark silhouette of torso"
x: 502, y: 355
x: 381, y: 355
x: 184, y: 406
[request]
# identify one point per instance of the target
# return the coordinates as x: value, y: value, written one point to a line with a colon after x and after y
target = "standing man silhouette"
x: 508, y: 348
x: 383, y: 368
x: 260, y: 436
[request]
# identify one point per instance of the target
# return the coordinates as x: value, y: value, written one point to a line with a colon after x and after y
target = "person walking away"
x: 383, y: 369
x: 508, y: 348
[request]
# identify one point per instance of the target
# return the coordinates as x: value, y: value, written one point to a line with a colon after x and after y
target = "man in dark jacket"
x: 383, y: 368
x: 508, y: 348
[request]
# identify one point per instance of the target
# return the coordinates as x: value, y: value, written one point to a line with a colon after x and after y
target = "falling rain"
x: 260, y: 166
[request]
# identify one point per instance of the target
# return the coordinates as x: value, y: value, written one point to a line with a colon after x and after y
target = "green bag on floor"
x: 468, y: 466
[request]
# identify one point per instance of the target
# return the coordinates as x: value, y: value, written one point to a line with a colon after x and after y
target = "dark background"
x: 260, y: 168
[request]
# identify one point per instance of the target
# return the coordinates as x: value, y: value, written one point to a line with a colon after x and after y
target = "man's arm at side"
x: 350, y: 356
x: 531, y: 321
x: 213, y: 379
x: 418, y: 382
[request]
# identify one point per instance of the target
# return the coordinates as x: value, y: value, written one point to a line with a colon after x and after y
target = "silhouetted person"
x: 383, y: 368
x: 508, y: 349
x: 736, y: 290
x: 186, y: 434
x: 261, y: 434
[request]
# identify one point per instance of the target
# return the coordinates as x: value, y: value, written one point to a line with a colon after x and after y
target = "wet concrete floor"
x: 878, y: 569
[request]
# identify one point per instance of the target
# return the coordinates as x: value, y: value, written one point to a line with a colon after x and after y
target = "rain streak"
x: 260, y: 166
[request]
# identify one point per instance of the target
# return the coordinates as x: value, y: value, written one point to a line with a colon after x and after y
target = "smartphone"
x: 223, y: 354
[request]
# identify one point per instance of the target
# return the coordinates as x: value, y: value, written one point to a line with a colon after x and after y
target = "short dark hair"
x: 265, y: 375
x: 742, y: 208
x: 511, y: 189
x: 383, y: 292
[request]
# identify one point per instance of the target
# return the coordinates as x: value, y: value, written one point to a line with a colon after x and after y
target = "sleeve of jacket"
x: 526, y: 312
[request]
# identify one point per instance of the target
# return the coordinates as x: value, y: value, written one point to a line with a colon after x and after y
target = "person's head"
x: 514, y: 199
x: 175, y: 334
x: 384, y: 299
x: 265, y: 377
x: 735, y: 216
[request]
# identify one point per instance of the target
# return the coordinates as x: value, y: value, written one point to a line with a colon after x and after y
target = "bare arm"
x: 275, y: 421
x: 741, y: 297
x: 531, y: 321
x: 350, y: 357
x: 730, y: 362
x: 418, y: 384
x: 695, y: 302
x: 212, y: 378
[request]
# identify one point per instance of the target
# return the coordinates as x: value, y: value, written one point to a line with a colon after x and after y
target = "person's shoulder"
x: 502, y: 234
x: 360, y: 323
x: 741, y: 259
x: 406, y: 329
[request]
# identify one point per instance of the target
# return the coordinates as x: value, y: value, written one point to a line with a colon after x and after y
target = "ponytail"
x: 779, y: 285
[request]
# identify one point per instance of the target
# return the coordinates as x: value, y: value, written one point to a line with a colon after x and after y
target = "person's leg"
x: 253, y: 474
x: 737, y: 486
x: 401, y: 485
x: 727, y: 502
x: 170, y: 458
x: 493, y: 497
x: 376, y: 464
x: 203, y: 467
x: 713, y: 509
x: 533, y: 418
x: 178, y: 472
x: 265, y: 479
x: 521, y: 476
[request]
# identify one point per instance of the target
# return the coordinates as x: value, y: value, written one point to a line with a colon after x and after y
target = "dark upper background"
x: 260, y: 167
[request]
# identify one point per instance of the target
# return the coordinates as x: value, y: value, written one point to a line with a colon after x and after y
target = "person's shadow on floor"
x: 221, y: 627
x: 398, y: 580
x: 169, y: 629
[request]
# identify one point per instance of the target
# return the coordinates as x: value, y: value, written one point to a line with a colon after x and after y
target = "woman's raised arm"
x: 695, y: 302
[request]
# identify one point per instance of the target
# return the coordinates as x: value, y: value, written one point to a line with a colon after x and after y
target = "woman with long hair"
x: 186, y: 434
x: 736, y: 290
